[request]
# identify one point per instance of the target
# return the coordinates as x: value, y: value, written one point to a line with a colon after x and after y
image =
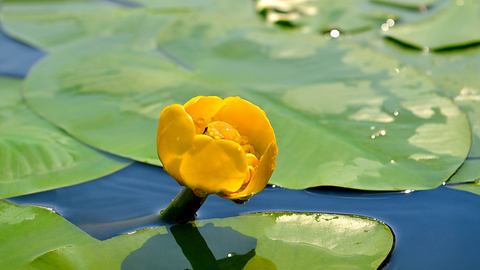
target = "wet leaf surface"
x: 455, y: 73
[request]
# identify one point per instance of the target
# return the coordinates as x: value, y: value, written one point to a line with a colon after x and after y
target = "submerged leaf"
x: 36, y: 156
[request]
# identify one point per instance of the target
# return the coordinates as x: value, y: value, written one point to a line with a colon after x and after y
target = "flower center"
x: 222, y: 130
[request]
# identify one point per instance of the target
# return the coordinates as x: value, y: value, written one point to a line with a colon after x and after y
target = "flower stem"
x: 183, y: 208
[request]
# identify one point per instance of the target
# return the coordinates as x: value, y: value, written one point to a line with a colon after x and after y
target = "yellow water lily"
x: 213, y: 145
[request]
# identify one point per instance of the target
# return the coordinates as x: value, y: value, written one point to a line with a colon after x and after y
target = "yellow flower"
x: 213, y: 145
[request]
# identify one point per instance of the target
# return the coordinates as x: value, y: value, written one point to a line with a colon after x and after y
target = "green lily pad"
x: 27, y: 232
x: 469, y: 187
x: 49, y: 24
x: 469, y: 100
x: 453, y: 26
x: 54, y: 23
x: 342, y: 114
x: 254, y: 241
x: 37, y: 156
x: 456, y: 75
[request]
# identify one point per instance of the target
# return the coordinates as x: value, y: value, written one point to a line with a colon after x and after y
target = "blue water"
x: 436, y: 229
x: 16, y: 58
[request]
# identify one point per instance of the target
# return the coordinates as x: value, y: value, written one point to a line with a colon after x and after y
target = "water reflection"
x: 188, y: 247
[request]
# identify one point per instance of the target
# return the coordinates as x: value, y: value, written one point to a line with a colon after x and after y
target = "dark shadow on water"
x: 188, y: 247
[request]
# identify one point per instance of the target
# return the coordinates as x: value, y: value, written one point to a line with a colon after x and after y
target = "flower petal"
x: 175, y: 135
x: 214, y: 166
x: 262, y: 174
x: 249, y: 120
x: 202, y: 109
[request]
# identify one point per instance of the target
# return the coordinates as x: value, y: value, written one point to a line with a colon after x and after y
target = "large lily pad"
x: 456, y: 75
x: 254, y: 241
x: 36, y: 156
x: 28, y: 232
x: 342, y: 114
x: 49, y: 24
x: 54, y: 23
x: 454, y: 26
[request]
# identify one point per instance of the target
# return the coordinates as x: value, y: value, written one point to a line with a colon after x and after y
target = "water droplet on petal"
x: 373, y: 137
x: 392, y: 161
x: 396, y: 113
x: 382, y: 132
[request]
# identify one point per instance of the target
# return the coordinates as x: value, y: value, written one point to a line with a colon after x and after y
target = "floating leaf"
x: 469, y: 187
x: 254, y: 241
x: 342, y: 114
x: 469, y: 100
x: 456, y: 75
x: 36, y: 156
x: 48, y: 24
x: 28, y: 232
x: 54, y: 23
x: 454, y: 26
